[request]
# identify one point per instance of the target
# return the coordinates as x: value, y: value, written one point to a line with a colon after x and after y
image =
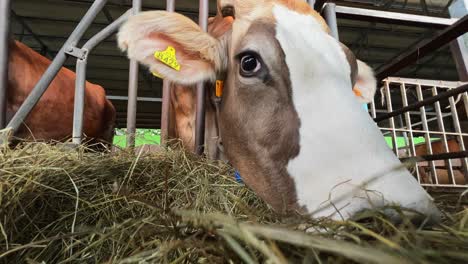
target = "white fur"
x: 341, y: 147
x: 366, y: 82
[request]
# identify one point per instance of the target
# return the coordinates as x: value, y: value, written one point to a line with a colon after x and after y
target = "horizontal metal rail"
x: 424, y: 131
x: 140, y: 99
x: 415, y: 106
x: 393, y: 17
x: 443, y: 156
x: 419, y: 51
x: 423, y: 82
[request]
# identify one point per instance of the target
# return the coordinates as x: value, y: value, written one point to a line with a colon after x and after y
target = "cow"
x: 440, y: 166
x: 51, y: 119
x: 183, y: 99
x: 300, y: 140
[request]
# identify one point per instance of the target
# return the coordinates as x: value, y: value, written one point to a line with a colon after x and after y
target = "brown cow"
x: 441, y: 170
x: 52, y: 118
x: 297, y: 135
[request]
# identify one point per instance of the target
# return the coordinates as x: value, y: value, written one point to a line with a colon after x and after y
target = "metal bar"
x: 392, y: 121
x: 80, y: 82
x: 329, y: 11
x: 425, y: 47
x: 441, y: 125
x: 410, y: 112
x: 456, y: 124
x: 4, y: 48
x: 420, y: 123
x: 166, y: 94
x: 78, y: 112
x: 55, y: 66
x: 459, y: 47
x: 432, y: 100
x: 409, y: 125
x: 427, y: 136
x: 132, y: 90
x: 139, y: 99
x: 442, y: 156
x: 392, y: 17
x: 200, y: 114
x: 440, y: 84
x: 421, y: 131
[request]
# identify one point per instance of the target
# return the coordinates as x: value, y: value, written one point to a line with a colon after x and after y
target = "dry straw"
x: 76, y: 206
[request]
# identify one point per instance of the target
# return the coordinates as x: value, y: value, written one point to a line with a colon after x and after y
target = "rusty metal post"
x: 4, y: 41
x: 166, y: 94
x: 200, y: 115
x: 132, y: 91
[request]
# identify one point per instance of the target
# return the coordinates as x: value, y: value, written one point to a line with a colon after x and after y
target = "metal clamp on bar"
x: 76, y: 52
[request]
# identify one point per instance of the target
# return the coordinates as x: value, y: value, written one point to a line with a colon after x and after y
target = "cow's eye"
x: 249, y: 65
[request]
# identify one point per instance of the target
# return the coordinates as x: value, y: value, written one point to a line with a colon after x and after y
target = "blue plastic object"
x: 238, y: 176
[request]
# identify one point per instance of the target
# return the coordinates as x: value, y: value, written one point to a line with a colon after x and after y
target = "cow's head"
x: 290, y: 122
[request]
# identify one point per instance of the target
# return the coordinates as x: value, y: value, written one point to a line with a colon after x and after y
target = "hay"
x: 63, y: 206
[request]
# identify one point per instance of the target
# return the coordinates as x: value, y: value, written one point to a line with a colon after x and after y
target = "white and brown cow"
x: 300, y: 139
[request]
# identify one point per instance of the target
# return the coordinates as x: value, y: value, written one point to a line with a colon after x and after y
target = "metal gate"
x: 436, y: 128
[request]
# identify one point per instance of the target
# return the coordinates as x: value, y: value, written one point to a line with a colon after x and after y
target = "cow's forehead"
x: 266, y: 14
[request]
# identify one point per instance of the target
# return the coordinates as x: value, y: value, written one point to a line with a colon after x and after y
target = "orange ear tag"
x: 357, y: 92
x: 168, y: 57
x: 219, y: 88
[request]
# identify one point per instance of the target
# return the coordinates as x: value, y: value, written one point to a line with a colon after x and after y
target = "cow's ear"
x: 366, y: 83
x: 172, y: 46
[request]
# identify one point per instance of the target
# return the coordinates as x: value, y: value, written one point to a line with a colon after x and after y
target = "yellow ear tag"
x: 357, y: 92
x: 157, y: 75
x: 168, y: 57
x: 219, y: 88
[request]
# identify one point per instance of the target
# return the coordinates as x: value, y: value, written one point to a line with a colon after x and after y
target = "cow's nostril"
x: 228, y: 11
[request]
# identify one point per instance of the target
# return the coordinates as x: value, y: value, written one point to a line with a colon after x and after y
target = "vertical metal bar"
x: 55, y: 66
x: 392, y: 120
x: 373, y: 112
x: 440, y: 121
x: 427, y: 136
x: 456, y: 124
x: 330, y: 17
x: 80, y: 84
x: 4, y: 47
x: 166, y: 94
x: 200, y: 115
x: 132, y: 91
x: 409, y: 127
x: 459, y: 47
x: 311, y: 3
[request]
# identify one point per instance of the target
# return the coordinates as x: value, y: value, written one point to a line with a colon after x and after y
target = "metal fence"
x: 70, y: 49
x: 435, y: 128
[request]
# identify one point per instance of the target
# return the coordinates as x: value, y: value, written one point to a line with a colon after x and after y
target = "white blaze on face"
x: 341, y: 147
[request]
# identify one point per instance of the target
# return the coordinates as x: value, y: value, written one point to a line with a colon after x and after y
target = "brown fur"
x: 246, y: 114
x: 442, y: 173
x: 52, y: 118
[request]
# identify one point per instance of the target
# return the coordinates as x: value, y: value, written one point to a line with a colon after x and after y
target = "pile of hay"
x: 63, y: 206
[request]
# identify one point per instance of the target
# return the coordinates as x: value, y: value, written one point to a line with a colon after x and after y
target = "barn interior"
x: 45, y: 25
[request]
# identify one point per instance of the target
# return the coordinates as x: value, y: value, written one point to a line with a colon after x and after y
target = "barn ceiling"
x: 45, y: 25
